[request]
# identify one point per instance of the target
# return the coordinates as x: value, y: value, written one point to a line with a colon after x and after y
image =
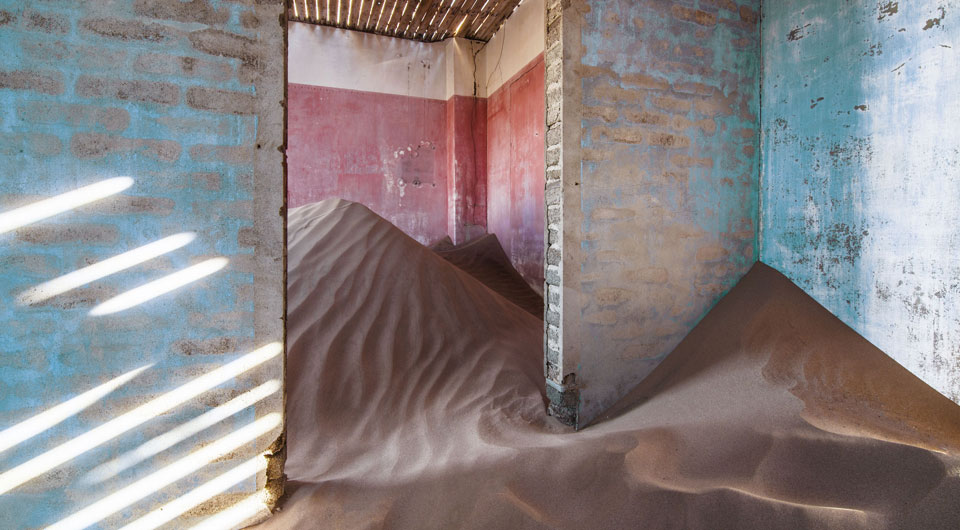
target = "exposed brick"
x: 645, y: 81
x: 125, y: 205
x: 230, y: 154
x: 97, y: 145
x: 696, y: 89
x: 247, y: 237
x: 711, y: 253
x: 72, y: 233
x: 225, y: 101
x: 190, y: 11
x: 553, y: 295
x: 7, y: 17
x: 145, y: 91
x: 80, y: 298
x: 748, y: 15
x: 249, y: 20
x: 54, y: 52
x: 180, y: 66
x: 672, y: 104
x: 669, y: 140
x: 12, y: 144
x: 553, y: 256
x: 46, y: 22
x: 208, y: 181
x: 608, y: 114
x: 646, y: 117
x: 127, y: 29
x: 624, y: 134
x: 111, y: 119
x: 552, y: 317
x: 43, y: 82
x: 553, y: 192
x: 217, y: 346
x: 223, y: 44
x: 681, y: 160
x: 694, y: 15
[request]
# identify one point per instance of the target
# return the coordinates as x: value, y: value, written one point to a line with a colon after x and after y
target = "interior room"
x: 479, y: 264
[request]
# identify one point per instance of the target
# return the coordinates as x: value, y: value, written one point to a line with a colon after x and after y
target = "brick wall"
x: 652, y: 168
x: 141, y: 243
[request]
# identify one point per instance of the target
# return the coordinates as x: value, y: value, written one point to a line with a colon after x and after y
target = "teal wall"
x: 178, y: 106
x: 861, y: 169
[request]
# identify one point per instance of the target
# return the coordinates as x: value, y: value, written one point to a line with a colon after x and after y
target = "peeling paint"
x: 859, y: 197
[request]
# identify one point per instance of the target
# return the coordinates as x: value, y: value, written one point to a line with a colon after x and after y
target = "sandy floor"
x: 415, y: 401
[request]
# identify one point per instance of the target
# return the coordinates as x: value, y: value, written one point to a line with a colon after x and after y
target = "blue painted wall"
x: 861, y: 169
x: 180, y: 99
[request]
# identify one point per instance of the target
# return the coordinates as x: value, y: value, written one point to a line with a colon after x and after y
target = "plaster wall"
x: 660, y: 166
x: 515, y: 45
x: 390, y: 123
x: 141, y: 243
x: 861, y: 170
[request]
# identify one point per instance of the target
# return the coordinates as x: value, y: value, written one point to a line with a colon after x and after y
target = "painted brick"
x: 145, y: 91
x: 45, y: 22
x: 225, y: 101
x: 43, y: 82
x: 191, y: 11
x: 80, y: 116
x: 125, y: 29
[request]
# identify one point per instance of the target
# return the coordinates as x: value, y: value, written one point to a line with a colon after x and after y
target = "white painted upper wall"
x: 519, y: 41
x: 341, y: 58
x: 353, y: 60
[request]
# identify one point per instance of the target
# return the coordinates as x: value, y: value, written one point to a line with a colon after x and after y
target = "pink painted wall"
x: 515, y: 169
x: 386, y: 151
x: 467, y: 145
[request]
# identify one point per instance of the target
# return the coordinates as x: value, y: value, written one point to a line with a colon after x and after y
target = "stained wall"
x: 368, y: 123
x: 861, y: 170
x: 657, y: 162
x: 513, y: 71
x: 141, y: 243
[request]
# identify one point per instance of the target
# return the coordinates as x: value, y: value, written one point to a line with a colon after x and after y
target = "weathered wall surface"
x: 515, y: 162
x: 385, y: 151
x: 660, y: 204
x: 513, y: 71
x: 141, y: 243
x: 861, y: 170
x: 373, y: 132
x: 409, y: 131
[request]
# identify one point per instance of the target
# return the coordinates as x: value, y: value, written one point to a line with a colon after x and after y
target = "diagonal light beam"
x: 182, y: 432
x: 162, y: 286
x: 198, y: 495
x: 105, y: 268
x: 35, y: 425
x: 231, y: 517
x: 167, y: 475
x: 104, y: 433
x: 45, y: 208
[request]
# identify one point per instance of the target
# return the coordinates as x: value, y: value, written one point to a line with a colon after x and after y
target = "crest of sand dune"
x: 414, y: 400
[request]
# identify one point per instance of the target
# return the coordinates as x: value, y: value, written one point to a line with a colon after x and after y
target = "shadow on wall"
x: 145, y: 445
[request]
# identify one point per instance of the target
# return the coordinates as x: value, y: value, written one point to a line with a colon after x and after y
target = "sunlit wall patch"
x: 160, y: 287
x: 104, y: 268
x: 64, y: 202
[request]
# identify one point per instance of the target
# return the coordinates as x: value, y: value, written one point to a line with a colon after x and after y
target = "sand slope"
x: 414, y: 401
x: 484, y: 259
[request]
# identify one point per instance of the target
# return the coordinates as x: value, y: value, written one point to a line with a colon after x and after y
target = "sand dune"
x: 484, y: 259
x: 415, y: 401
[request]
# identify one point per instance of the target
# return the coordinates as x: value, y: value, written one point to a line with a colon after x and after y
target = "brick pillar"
x: 562, y: 150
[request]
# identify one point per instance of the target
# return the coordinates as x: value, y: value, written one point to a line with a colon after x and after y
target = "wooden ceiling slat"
x: 424, y: 20
x: 418, y: 26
